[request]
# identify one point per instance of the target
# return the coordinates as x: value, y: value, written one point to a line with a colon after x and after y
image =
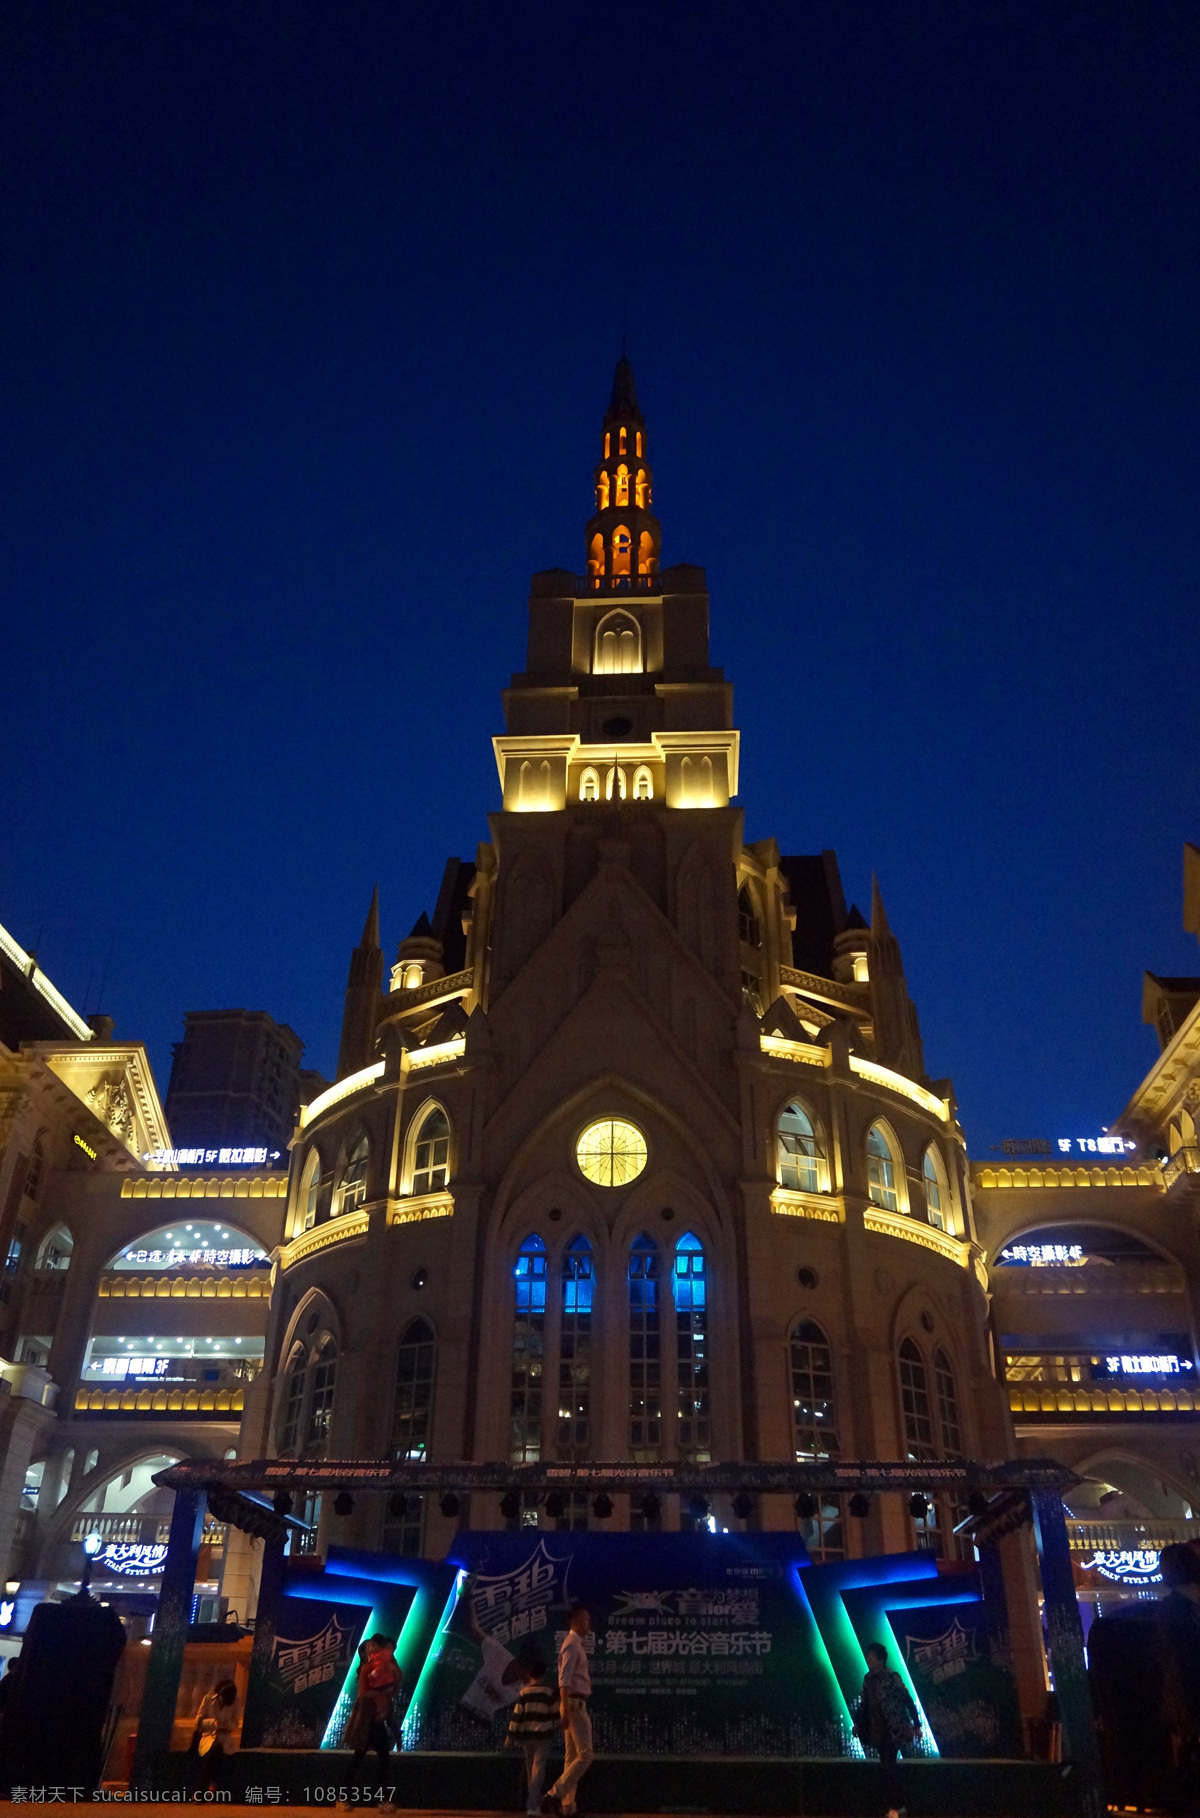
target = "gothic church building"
x: 633, y: 1154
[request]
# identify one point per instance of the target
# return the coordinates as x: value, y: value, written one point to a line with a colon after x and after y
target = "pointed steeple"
x: 371, y: 930
x: 363, y: 992
x: 624, y: 538
x: 879, y: 920
x: 893, y: 1013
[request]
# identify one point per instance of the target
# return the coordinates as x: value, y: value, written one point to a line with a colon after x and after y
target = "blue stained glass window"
x: 530, y: 1271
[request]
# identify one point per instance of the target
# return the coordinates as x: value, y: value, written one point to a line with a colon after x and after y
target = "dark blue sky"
x: 307, y: 322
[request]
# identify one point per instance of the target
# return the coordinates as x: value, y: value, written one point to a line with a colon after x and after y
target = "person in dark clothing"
x: 887, y: 1721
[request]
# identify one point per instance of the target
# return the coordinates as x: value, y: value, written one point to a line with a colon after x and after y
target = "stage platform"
x: 633, y: 1784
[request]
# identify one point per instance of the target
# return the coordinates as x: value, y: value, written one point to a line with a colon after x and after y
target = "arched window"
x: 622, y: 489
x: 638, y: 444
x: 618, y: 648
x: 320, y: 1401
x: 37, y: 1164
x: 621, y: 545
x: 814, y: 1435
x: 621, y: 448
x: 607, y: 445
x: 596, y: 555
x: 589, y: 786
x: 749, y: 926
x: 353, y: 1188
x: 641, y: 490
x: 643, y: 785
x: 882, y: 1170
x: 55, y: 1250
x: 914, y: 1400
x: 798, y: 1153
x: 575, y: 1351
x: 691, y: 1350
x: 614, y: 784
x: 412, y: 1405
x: 529, y: 1345
x: 602, y: 492
x: 647, y: 560
x: 645, y: 1353
x: 310, y: 1187
x: 947, y: 1400
x: 431, y: 1153
x: 814, y: 1416
x: 293, y: 1402
x: 937, y: 1192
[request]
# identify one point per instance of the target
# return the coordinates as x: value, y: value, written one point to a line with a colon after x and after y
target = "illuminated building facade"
x: 635, y: 1156
x: 133, y: 1303
x: 1094, y: 1262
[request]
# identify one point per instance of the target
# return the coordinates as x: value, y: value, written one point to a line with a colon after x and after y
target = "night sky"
x: 308, y: 316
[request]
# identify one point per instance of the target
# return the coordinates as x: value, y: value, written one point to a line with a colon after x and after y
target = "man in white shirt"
x: 574, y: 1690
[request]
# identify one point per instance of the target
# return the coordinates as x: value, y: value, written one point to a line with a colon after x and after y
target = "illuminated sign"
x: 1143, y: 1363
x: 1044, y: 1256
x: 133, y: 1559
x: 86, y: 1147
x: 205, y: 1158
x: 7, y: 1608
x: 1133, y: 1566
x: 215, y: 1259
x: 129, y: 1366
x: 1025, y: 1145
x: 1095, y: 1145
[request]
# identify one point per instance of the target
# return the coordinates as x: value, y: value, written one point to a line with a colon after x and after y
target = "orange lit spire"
x: 624, y: 540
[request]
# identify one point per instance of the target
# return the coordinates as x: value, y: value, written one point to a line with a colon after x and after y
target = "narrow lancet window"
x: 575, y: 1351
x: 645, y: 1359
x: 528, y: 1355
x: 691, y: 1350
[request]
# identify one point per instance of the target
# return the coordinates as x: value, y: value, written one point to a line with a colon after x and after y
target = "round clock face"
x: 611, y: 1153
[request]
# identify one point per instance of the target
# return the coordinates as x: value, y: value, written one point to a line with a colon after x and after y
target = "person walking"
x: 212, y: 1738
x: 886, y: 1720
x: 532, y: 1725
x: 574, y: 1690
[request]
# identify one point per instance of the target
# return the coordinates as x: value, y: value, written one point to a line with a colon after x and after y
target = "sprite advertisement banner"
x: 701, y: 1643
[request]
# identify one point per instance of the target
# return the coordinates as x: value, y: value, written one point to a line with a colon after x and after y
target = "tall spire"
x: 893, y: 1013
x: 363, y: 989
x: 624, y: 539
x: 371, y: 930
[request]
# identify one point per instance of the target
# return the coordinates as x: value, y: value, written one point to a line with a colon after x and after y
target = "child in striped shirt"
x: 532, y: 1725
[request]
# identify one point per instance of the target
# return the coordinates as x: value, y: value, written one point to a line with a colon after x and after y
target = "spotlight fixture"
x: 449, y: 1504
x: 281, y: 1502
x: 510, y: 1505
x: 918, y: 1505
x: 698, y: 1507
x: 556, y: 1504
x: 806, y: 1505
x: 743, y: 1506
x: 977, y: 1502
x: 651, y: 1507
x: 860, y: 1506
x: 398, y: 1505
x: 421, y: 1278
x: 602, y: 1506
x: 343, y: 1503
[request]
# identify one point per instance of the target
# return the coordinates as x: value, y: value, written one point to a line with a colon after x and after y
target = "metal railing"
x: 617, y: 583
x: 1184, y: 1161
x: 1128, y: 1536
x: 139, y: 1530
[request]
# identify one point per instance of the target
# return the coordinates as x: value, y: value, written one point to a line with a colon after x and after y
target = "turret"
x: 357, y: 1049
x: 419, y: 957
x: 624, y: 539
